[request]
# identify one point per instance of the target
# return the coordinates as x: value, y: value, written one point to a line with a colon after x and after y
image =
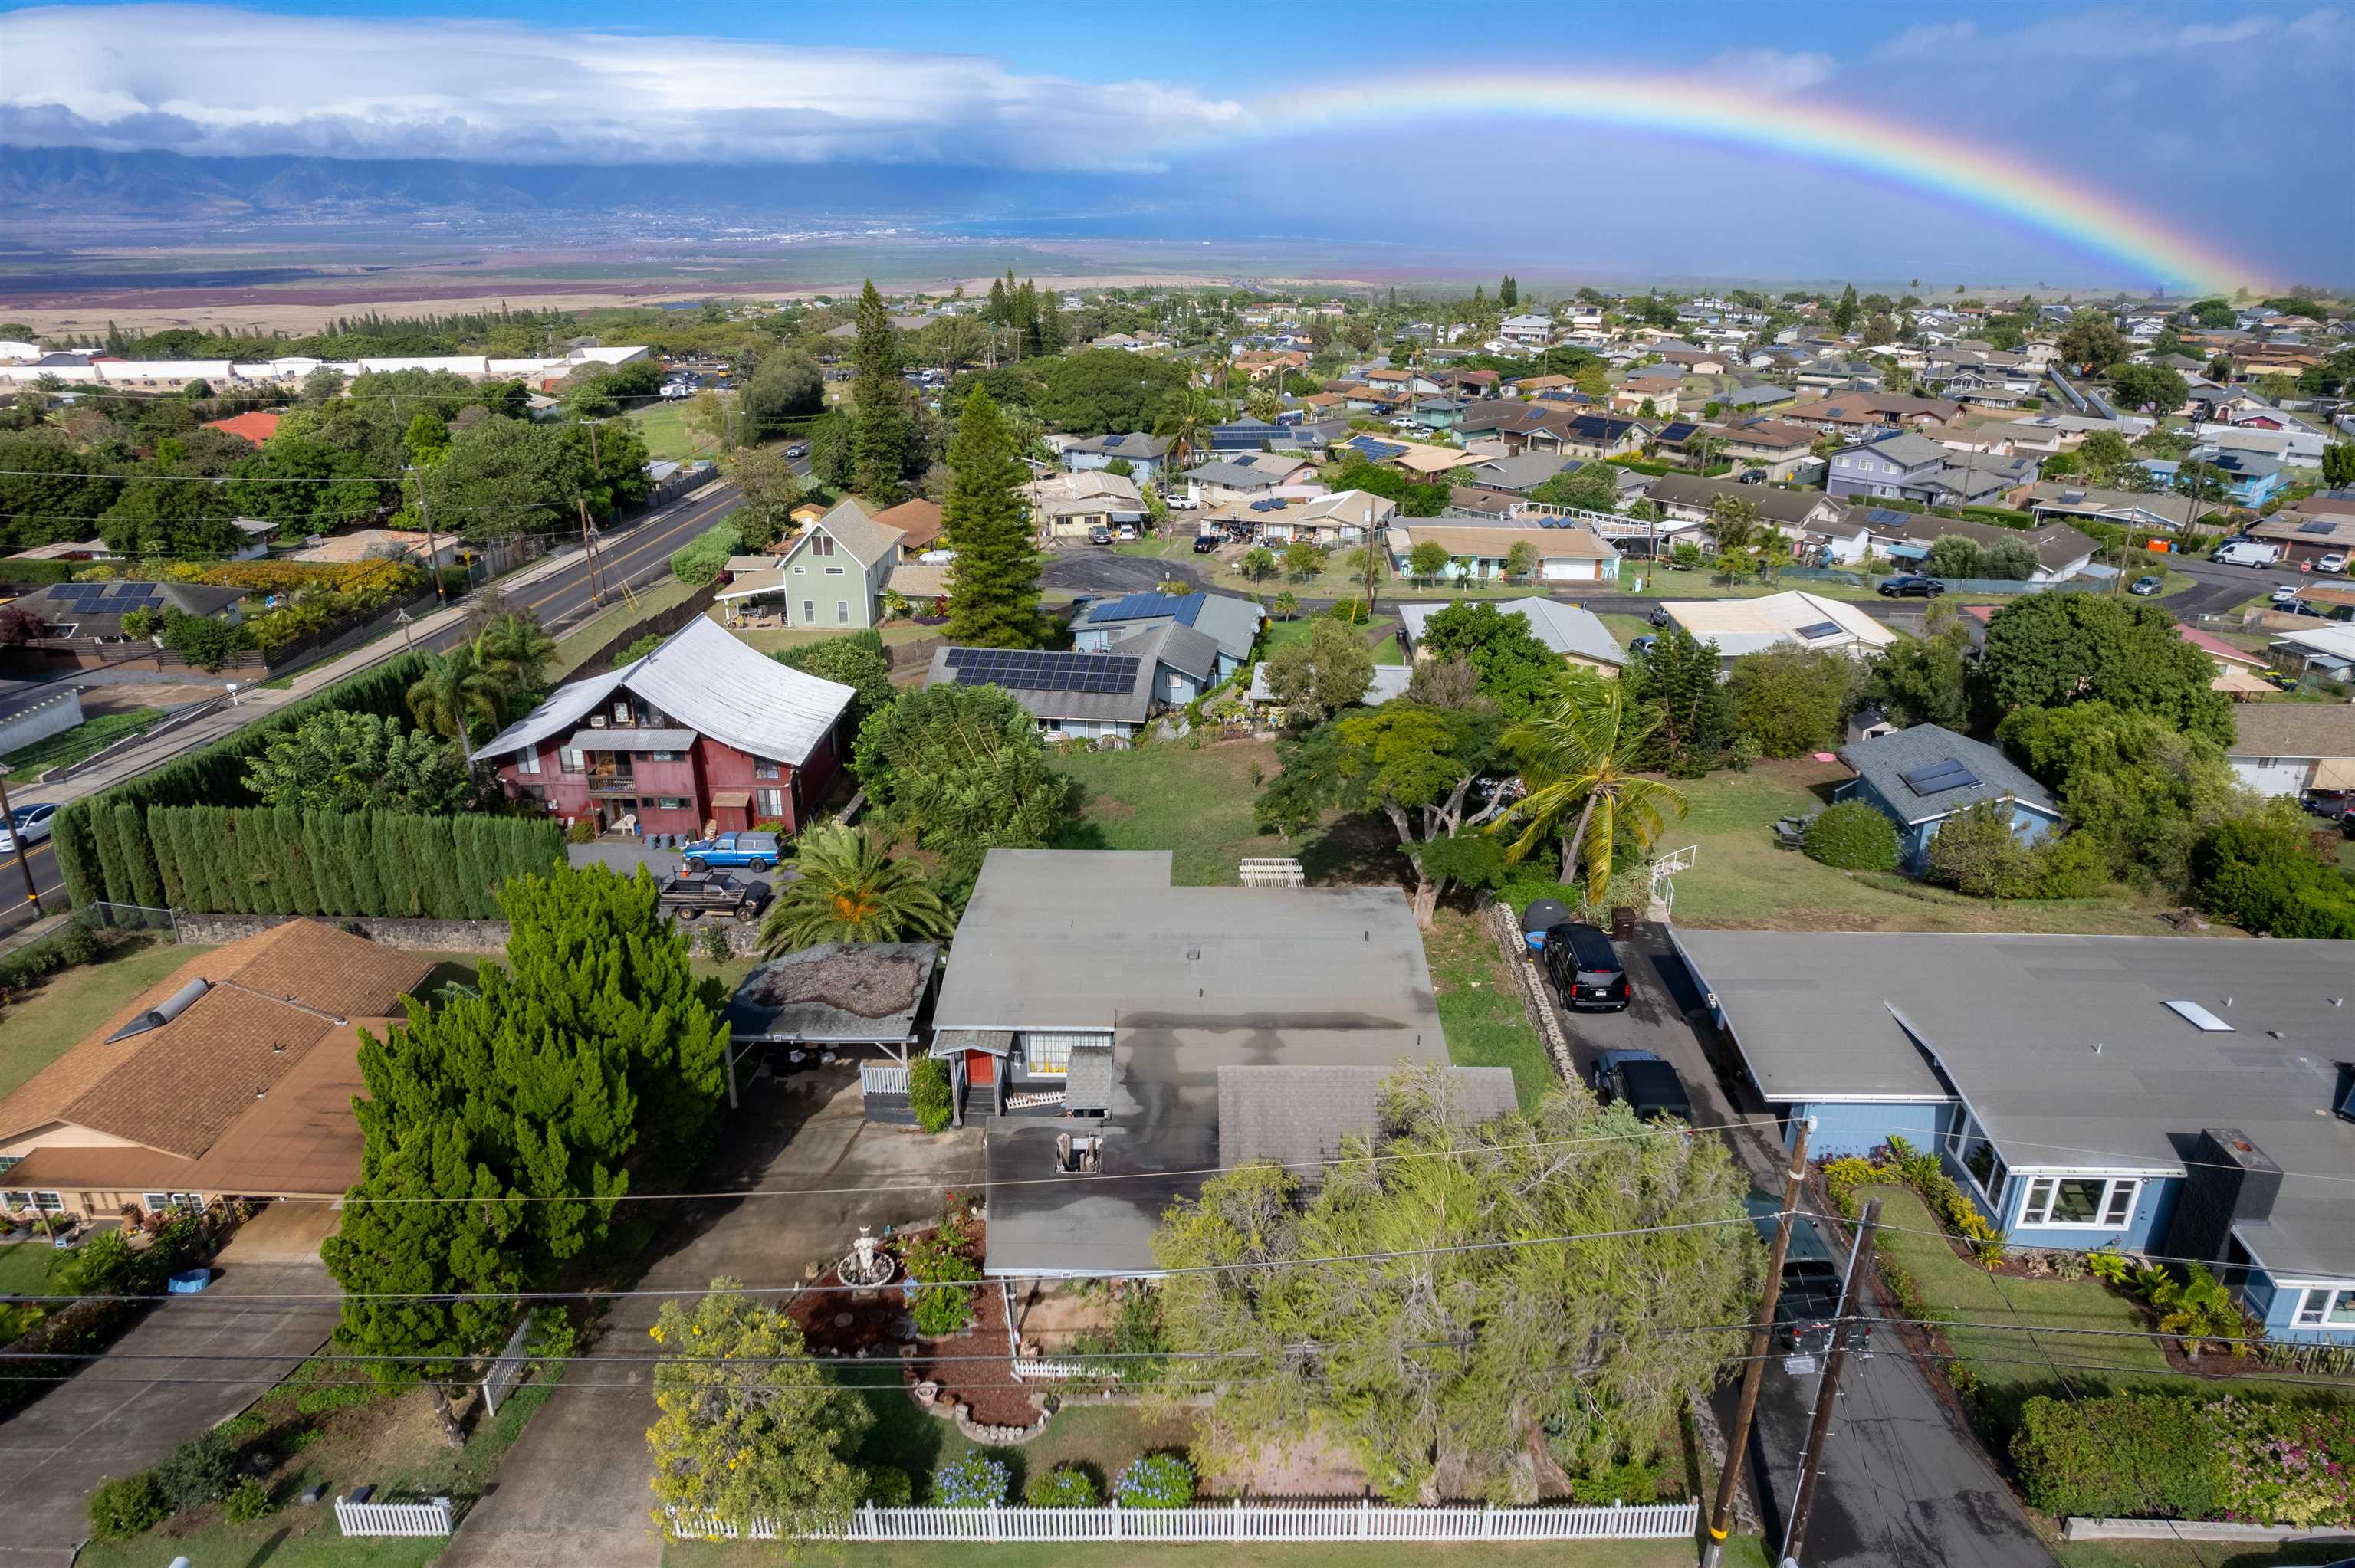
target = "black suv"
x: 1584, y: 968
x: 1912, y: 587
x: 1649, y: 1084
x: 1206, y: 543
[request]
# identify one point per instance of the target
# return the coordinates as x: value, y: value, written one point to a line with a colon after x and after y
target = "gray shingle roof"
x: 1884, y: 762
x: 1298, y: 1115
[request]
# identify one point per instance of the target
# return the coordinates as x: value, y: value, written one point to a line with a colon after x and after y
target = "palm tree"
x: 1186, y: 422
x: 513, y: 651
x: 847, y: 890
x: 1576, y: 748
x: 454, y: 693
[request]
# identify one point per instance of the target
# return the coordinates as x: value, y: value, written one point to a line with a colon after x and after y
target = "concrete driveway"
x: 577, y: 1488
x: 120, y: 1414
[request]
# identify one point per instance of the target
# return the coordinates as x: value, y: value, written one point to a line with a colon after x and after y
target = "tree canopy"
x: 1516, y: 669
x: 1437, y: 1368
x: 994, y: 580
x: 1106, y: 391
x: 1314, y: 679
x: 342, y: 761
x: 855, y: 659
x: 964, y: 769
x: 845, y: 889
x: 2050, y: 650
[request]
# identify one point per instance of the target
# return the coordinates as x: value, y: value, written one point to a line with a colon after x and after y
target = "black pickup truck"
x: 713, y: 894
x: 1808, y: 1304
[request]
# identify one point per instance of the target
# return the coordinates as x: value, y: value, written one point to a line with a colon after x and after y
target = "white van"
x: 2247, y: 553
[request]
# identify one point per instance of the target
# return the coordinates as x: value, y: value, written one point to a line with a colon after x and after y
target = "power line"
x: 1239, y: 1266
x: 2010, y: 1244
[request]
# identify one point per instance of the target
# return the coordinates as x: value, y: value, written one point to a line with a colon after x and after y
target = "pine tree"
x: 295, y: 862
x: 994, y: 581
x: 879, y: 432
x: 1844, y: 313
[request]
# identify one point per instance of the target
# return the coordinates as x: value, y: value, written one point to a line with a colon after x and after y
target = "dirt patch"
x: 1105, y: 809
x: 974, y: 1368
x: 1313, y: 1467
x: 853, y: 981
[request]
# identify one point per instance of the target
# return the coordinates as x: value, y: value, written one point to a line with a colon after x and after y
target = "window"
x: 2101, y: 1201
x: 809, y: 612
x: 767, y: 767
x: 2325, y: 1307
x: 670, y: 803
x: 1049, y: 1055
x: 49, y: 1202
x: 821, y: 544
x: 842, y: 613
x: 568, y: 758
x: 833, y: 571
x: 621, y: 712
x: 527, y: 760
x: 661, y: 756
x: 156, y: 1202
x: 187, y: 1200
x: 14, y: 1200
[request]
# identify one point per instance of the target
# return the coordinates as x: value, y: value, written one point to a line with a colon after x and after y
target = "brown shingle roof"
x: 2294, y: 730
x: 178, y: 1088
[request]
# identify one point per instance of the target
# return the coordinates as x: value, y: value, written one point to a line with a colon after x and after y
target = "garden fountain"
x: 867, y: 1265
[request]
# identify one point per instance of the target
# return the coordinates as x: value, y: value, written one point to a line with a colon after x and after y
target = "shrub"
x: 943, y: 1259
x: 930, y: 1095
x: 2127, y: 1455
x: 582, y: 831
x: 121, y: 1509
x: 1062, y: 1486
x: 1976, y: 853
x: 1630, y: 1483
x: 887, y: 1486
x: 2070, y: 866
x: 2258, y: 873
x: 706, y: 555
x: 1157, y: 1480
x: 73, y: 944
x: 1853, y: 836
x: 974, y: 1482
x: 248, y: 1500
x: 201, y: 1470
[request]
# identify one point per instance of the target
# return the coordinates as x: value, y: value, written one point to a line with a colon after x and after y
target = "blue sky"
x: 2231, y: 120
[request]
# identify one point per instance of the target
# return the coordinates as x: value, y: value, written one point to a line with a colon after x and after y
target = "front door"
x: 980, y: 1067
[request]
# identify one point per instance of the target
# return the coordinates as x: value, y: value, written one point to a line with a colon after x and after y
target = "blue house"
x: 1918, y: 778
x: 2250, y: 479
x: 1231, y: 624
x: 2179, y: 1097
x: 1143, y: 454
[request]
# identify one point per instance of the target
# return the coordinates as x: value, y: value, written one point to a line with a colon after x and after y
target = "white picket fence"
x: 883, y: 1078
x: 393, y: 1518
x: 506, y: 1370
x: 1237, y: 1520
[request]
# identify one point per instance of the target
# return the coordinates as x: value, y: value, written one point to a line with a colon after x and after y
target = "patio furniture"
x: 1791, y: 832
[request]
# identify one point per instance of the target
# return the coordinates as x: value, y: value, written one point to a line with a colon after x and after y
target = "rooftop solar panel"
x: 1820, y: 629
x: 1939, y: 778
x: 1034, y: 670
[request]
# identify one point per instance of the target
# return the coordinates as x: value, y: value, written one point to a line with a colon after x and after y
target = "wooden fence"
x: 1362, y: 1520
x: 393, y: 1518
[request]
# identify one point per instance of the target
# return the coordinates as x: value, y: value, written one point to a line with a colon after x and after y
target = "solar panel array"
x: 1939, y: 778
x: 1027, y: 670
x: 1381, y: 451
x: 1820, y: 629
x: 107, y: 599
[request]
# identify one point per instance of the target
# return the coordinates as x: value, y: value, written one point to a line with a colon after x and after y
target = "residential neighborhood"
x: 991, y: 893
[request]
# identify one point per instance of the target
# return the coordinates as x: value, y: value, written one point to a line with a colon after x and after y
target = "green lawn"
x: 2016, y: 1366
x: 2189, y: 1554
x: 663, y: 426
x: 70, y: 1003
x: 1741, y: 1552
x: 771, y: 639
x: 1101, y: 1439
x: 25, y: 1268
x: 1626, y: 627
x: 1743, y: 879
x: 1386, y: 648
x: 1196, y: 801
x: 1480, y: 1006
x: 71, y: 746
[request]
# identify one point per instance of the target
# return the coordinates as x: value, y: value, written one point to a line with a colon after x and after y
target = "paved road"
x: 636, y: 555
x: 121, y: 1414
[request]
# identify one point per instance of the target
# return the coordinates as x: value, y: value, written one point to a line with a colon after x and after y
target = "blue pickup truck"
x: 754, y: 852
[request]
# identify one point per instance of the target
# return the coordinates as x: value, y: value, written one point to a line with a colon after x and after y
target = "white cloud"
x: 1772, y: 70
x: 1928, y: 38
x: 214, y: 81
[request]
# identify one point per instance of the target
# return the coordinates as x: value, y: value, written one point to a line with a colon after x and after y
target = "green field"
x: 1386, y: 645
x: 590, y: 635
x: 71, y: 746
x: 70, y: 1003
x: 1742, y: 878
x: 663, y: 427
x: 1480, y: 1005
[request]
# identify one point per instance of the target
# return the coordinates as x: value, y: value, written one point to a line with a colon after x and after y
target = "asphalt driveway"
x: 577, y: 1488
x: 1100, y: 569
x: 123, y: 1413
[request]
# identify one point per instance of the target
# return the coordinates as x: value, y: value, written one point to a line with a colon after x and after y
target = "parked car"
x: 1659, y: 616
x: 1912, y: 587
x: 1584, y: 968
x: 2334, y: 562
x: 2284, y: 594
x: 2146, y: 586
x: 1182, y: 504
x: 1753, y: 476
x: 798, y: 450
x: 1205, y: 543
x: 693, y: 897
x: 1808, y: 1305
x: 1649, y: 1084
x: 30, y: 823
x: 754, y: 852
x: 1642, y: 646
x: 1099, y: 535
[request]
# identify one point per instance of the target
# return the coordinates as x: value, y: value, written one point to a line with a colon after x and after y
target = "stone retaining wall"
x: 439, y: 936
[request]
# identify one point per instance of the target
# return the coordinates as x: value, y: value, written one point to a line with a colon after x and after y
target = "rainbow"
x: 1711, y: 111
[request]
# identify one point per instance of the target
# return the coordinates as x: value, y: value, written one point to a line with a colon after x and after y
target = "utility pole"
x: 433, y: 546
x: 1762, y: 1339
x: 588, y: 540
x: 1811, y: 1463
x: 32, y: 895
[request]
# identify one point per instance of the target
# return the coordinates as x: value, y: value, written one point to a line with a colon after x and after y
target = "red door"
x: 980, y: 1067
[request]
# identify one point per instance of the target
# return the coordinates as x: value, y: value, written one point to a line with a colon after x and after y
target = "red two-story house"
x: 702, y: 732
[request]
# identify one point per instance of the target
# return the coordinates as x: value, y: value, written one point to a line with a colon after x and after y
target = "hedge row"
x: 124, y: 871
x: 262, y: 860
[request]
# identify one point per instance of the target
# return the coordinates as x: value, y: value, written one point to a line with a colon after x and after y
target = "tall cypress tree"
x: 994, y: 581
x: 878, y: 429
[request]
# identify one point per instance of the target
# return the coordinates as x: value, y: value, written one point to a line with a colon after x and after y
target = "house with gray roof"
x: 1122, y: 1038
x: 1231, y: 623
x: 831, y: 577
x: 1109, y: 694
x: 1919, y: 777
x: 1143, y: 454
x: 2174, y: 1096
x: 1578, y: 635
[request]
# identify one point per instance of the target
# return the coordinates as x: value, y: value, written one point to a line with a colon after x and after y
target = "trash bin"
x: 1622, y: 922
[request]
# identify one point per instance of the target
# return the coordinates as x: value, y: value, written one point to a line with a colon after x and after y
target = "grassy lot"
x: 663, y: 426
x: 2016, y: 1366
x: 2189, y: 1554
x: 771, y: 639
x: 71, y: 746
x: 1743, y: 879
x: 1626, y: 627
x: 1386, y: 648
x: 590, y: 635
x: 69, y: 1004
x: 1480, y: 1005
x: 1196, y: 801
x: 1334, y: 582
